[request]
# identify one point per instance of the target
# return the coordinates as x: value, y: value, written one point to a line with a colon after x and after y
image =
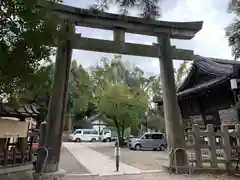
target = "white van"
x: 89, y: 135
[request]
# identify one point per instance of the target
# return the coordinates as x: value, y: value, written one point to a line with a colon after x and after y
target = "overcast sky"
x: 210, y: 41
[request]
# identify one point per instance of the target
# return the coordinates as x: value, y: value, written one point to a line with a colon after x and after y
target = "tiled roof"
x: 25, y: 111
x: 219, y: 69
x: 213, y: 66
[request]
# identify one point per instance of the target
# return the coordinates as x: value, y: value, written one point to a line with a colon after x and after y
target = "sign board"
x: 13, y: 128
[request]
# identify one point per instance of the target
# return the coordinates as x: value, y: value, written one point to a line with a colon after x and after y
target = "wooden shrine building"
x: 205, y: 96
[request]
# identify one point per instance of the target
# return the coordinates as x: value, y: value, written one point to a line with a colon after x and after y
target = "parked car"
x: 153, y: 141
x: 108, y: 135
x: 79, y: 135
x: 128, y: 139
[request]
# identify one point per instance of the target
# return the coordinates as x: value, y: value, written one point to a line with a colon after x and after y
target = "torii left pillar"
x: 57, y: 104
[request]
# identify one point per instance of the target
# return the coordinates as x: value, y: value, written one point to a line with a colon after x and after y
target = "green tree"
x: 26, y: 35
x: 122, y: 107
x: 181, y: 73
x: 149, y: 9
x: 156, y: 114
x: 80, y: 86
x: 117, y: 71
x: 81, y: 91
x: 233, y: 29
x: 37, y: 91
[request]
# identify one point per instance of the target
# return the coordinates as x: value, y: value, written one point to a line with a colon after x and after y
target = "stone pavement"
x: 70, y: 164
x: 144, y: 160
x: 98, y: 163
x: 99, y: 166
x: 155, y: 176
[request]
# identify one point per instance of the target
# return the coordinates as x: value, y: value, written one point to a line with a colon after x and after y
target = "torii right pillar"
x: 178, y: 160
x: 171, y: 110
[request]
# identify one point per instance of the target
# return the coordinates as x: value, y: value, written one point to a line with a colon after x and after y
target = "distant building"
x: 97, y: 122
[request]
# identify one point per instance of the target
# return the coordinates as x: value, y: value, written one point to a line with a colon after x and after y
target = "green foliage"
x: 117, y: 72
x: 80, y: 87
x: 233, y: 29
x: 149, y: 9
x: 156, y: 122
x: 236, y: 106
x: 122, y: 105
x: 181, y: 72
x: 26, y: 35
x: 37, y: 91
x: 232, y: 32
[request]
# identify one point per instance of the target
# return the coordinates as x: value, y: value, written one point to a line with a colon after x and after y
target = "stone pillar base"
x: 178, y: 162
x: 180, y: 170
x: 58, y: 175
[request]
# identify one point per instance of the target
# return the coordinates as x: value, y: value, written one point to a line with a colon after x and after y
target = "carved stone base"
x: 58, y: 175
x: 178, y: 162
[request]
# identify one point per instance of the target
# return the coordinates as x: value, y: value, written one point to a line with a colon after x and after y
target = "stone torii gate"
x: 119, y: 24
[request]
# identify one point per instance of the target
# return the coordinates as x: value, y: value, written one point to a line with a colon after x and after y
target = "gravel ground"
x: 144, y: 160
x: 70, y: 164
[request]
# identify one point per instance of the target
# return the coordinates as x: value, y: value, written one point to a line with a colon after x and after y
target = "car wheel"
x: 108, y: 140
x: 93, y: 140
x: 78, y: 140
x: 162, y: 148
x: 137, y: 147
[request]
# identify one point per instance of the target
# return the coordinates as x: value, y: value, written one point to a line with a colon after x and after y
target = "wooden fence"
x: 15, y: 151
x: 207, y: 146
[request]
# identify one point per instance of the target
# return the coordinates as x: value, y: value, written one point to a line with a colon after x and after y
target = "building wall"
x: 98, y: 125
x: 212, y: 107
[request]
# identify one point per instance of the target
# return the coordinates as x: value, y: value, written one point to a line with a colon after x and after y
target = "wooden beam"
x: 102, y: 20
x: 90, y: 44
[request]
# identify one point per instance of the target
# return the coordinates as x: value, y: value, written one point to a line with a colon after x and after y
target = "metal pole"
x: 42, y: 152
x: 117, y: 154
x: 146, y: 124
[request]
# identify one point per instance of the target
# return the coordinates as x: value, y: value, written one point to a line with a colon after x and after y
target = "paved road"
x: 97, y: 163
x: 90, y: 155
x: 156, y: 176
x: 145, y: 160
x: 70, y: 164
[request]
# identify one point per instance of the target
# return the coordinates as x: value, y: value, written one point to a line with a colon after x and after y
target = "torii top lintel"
x: 102, y: 20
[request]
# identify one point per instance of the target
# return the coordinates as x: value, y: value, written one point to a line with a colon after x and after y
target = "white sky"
x: 210, y: 41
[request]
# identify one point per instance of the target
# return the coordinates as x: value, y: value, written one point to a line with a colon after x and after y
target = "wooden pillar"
x: 202, y: 110
x: 212, y: 145
x: 57, y: 104
x: 226, y: 147
x: 119, y: 35
x: 197, y: 147
x: 172, y: 114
